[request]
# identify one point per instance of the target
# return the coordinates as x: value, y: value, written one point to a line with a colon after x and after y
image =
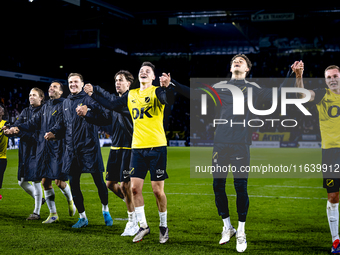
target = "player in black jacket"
x: 27, y: 168
x: 231, y: 143
x: 82, y: 152
x: 50, y: 154
x: 117, y: 169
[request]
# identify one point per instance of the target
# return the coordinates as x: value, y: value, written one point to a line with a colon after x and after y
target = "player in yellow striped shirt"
x: 3, y: 147
x: 149, y: 152
x: 327, y: 101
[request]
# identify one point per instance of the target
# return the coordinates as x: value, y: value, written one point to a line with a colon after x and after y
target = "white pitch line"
x: 249, y: 185
x: 211, y: 194
x: 233, y: 195
x: 227, y: 184
x: 293, y: 187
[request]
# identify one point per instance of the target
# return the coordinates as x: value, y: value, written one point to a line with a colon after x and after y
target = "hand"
x: 11, y: 131
x: 165, y: 80
x: 8, y: 132
x: 16, y: 130
x: 298, y: 68
x: 88, y: 88
x: 81, y: 110
x: 4, y: 128
x: 49, y: 136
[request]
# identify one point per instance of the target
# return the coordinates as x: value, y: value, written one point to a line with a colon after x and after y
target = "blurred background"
x: 42, y: 41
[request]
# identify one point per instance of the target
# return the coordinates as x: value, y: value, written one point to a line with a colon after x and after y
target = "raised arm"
x: 90, y: 89
x: 186, y: 90
x: 94, y: 114
x: 165, y: 93
x: 105, y: 99
x: 298, y: 68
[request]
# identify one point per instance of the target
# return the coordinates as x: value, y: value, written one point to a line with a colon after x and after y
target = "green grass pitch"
x: 286, y: 216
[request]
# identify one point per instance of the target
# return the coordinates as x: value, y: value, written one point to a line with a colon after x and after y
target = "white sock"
x: 27, y: 187
x: 240, y: 229
x: 132, y: 217
x: 37, y: 197
x: 227, y: 223
x: 82, y: 215
x: 141, y: 216
x: 333, y: 219
x: 67, y: 193
x: 105, y: 208
x: 50, y: 196
x: 163, y: 219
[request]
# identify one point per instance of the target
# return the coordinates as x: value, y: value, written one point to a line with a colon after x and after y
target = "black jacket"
x: 120, y: 120
x: 49, y: 154
x: 82, y: 152
x: 29, y: 141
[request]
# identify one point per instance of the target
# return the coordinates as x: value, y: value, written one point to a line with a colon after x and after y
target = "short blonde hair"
x: 332, y: 67
x: 76, y: 74
x: 40, y: 93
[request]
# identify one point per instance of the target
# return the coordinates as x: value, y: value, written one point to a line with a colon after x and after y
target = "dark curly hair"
x: 249, y: 64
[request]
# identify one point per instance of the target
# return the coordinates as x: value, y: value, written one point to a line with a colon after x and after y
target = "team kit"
x: 59, y: 142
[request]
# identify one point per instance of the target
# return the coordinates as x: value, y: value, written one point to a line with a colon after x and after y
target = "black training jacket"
x: 29, y: 141
x: 82, y: 150
x: 120, y: 120
x: 49, y: 154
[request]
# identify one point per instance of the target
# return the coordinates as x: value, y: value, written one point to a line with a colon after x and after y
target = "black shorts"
x: 117, y: 168
x: 230, y: 158
x: 331, y: 162
x: 153, y: 159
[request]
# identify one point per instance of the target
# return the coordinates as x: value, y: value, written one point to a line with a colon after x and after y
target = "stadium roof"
x: 54, y: 33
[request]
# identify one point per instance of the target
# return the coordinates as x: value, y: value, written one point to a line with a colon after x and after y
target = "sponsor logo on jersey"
x: 140, y: 113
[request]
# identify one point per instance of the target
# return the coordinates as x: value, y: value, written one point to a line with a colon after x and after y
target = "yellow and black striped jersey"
x: 3, y: 140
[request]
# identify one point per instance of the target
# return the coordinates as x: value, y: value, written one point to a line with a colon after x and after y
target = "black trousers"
x: 3, y: 164
x: 231, y: 158
x: 77, y: 195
